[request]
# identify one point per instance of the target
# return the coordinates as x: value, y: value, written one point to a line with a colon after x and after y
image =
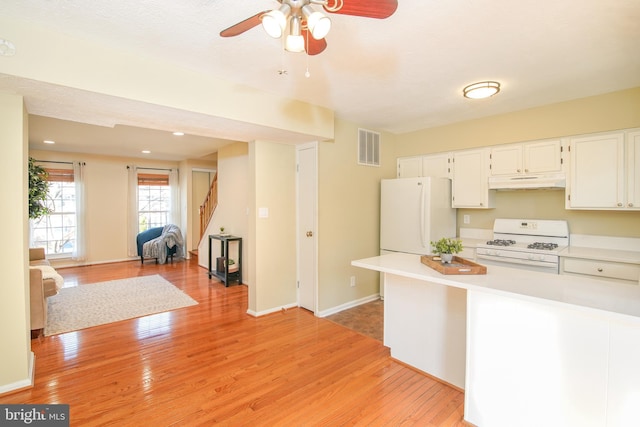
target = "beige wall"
x: 15, y: 369
x: 231, y: 213
x: 348, y: 215
x: 106, y: 202
x: 618, y: 110
x: 272, y: 282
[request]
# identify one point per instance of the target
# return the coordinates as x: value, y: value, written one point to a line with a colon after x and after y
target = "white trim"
x: 272, y: 310
x: 310, y: 145
x: 349, y: 305
x: 203, y: 170
x: 25, y: 383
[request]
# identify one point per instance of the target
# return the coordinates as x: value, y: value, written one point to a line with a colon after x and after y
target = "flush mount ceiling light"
x: 178, y: 133
x: 302, y: 20
x: 49, y: 141
x: 481, y: 90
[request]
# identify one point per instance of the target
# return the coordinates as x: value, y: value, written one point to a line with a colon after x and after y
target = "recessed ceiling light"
x: 481, y: 90
x: 48, y: 141
x: 178, y: 133
x: 7, y: 48
x: 146, y: 152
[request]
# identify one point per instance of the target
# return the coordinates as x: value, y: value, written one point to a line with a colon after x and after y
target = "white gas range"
x: 525, y: 243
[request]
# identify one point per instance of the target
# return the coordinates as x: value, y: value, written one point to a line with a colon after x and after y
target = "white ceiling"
x: 399, y: 74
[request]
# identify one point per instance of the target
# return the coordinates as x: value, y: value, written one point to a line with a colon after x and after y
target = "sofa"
x: 44, y: 282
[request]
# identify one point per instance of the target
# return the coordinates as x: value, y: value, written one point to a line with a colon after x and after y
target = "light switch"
x: 263, y: 212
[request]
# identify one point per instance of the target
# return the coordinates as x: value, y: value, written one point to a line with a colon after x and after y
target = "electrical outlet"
x: 466, y: 219
x: 353, y: 281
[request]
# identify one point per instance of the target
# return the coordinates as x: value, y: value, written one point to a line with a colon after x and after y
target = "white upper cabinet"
x: 437, y: 165
x: 470, y: 188
x: 409, y: 167
x: 604, y: 171
x: 527, y: 158
x: 633, y: 170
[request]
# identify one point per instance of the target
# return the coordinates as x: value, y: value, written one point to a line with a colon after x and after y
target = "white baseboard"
x: 348, y: 305
x: 271, y: 310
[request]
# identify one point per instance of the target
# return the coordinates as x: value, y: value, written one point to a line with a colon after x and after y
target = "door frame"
x: 299, y: 231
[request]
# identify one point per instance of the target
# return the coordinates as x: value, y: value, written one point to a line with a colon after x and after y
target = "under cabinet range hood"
x: 524, y: 182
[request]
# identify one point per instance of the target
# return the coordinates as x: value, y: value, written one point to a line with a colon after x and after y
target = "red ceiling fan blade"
x: 313, y: 46
x: 368, y: 8
x: 243, y: 26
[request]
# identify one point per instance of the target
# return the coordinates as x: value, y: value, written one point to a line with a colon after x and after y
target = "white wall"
x: 16, y: 367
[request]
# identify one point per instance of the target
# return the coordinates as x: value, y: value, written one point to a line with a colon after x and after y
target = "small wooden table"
x: 225, y: 275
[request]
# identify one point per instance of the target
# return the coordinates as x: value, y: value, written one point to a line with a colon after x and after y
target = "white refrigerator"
x: 414, y: 212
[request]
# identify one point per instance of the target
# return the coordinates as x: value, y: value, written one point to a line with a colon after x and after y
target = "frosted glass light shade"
x: 481, y: 90
x: 294, y: 43
x: 317, y: 23
x: 275, y: 21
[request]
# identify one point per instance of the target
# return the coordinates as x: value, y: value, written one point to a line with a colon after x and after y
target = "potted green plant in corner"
x: 38, y: 190
x: 446, y: 248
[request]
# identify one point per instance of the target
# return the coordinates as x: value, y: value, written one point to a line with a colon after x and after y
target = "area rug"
x: 96, y: 304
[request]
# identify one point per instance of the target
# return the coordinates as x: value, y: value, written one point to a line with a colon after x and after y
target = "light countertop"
x: 584, y: 293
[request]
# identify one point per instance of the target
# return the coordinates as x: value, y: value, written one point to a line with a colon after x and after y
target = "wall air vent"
x: 368, y: 148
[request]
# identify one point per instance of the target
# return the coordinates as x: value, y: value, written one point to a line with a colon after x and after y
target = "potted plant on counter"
x: 446, y: 248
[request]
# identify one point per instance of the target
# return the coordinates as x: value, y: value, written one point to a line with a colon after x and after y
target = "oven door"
x: 548, y: 266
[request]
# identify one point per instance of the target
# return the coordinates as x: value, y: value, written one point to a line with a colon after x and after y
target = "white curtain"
x: 132, y: 210
x: 174, y: 185
x: 79, y: 253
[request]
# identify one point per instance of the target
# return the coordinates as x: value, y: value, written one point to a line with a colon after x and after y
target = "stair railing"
x: 209, y: 205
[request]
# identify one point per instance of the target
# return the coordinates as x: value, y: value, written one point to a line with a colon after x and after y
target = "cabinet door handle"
x: 309, y: 233
x: 619, y: 204
x: 630, y: 205
x: 526, y: 170
x: 600, y: 270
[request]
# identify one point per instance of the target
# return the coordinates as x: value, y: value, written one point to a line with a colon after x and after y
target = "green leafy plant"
x: 38, y: 190
x: 447, y: 246
x: 221, y: 230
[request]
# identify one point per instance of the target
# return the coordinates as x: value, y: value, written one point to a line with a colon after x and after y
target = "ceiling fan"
x: 297, y: 20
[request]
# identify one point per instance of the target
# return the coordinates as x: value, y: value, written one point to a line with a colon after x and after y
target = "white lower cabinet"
x: 531, y: 364
x: 623, y: 271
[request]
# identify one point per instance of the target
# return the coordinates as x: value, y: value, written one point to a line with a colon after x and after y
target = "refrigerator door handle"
x: 422, y: 196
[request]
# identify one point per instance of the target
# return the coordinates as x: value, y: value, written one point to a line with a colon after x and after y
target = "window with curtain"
x: 154, y: 200
x: 57, y: 231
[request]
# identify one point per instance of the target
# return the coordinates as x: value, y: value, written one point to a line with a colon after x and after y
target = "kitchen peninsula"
x: 528, y: 348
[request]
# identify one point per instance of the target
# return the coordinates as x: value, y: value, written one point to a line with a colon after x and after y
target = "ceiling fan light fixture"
x: 481, y: 90
x: 275, y: 21
x: 294, y: 41
x: 317, y: 22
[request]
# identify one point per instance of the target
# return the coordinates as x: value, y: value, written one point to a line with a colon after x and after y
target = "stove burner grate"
x: 501, y: 242
x: 541, y: 245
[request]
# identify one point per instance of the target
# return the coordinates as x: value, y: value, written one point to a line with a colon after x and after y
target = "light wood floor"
x: 214, y: 364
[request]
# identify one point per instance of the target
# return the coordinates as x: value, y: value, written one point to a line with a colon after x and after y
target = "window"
x: 57, y: 231
x: 154, y: 200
